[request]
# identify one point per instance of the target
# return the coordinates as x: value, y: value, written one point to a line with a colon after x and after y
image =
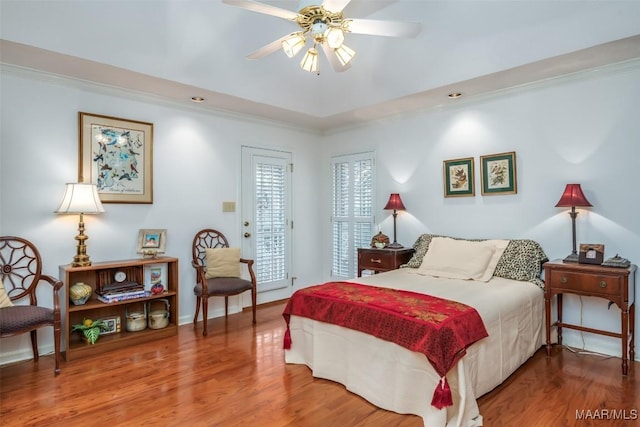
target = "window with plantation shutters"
x: 352, y: 211
x: 271, y: 222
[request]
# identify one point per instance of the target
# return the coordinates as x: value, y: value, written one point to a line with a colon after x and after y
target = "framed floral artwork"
x: 116, y: 156
x: 498, y: 173
x: 458, y: 177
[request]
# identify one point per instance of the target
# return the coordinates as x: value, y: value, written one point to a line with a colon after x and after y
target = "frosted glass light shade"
x: 310, y: 61
x: 345, y: 54
x: 334, y: 37
x: 293, y: 44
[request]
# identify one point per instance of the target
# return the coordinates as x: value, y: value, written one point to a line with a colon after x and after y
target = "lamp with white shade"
x: 80, y: 198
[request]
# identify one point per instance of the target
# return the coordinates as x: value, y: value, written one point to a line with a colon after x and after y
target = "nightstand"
x: 385, y: 259
x: 614, y: 284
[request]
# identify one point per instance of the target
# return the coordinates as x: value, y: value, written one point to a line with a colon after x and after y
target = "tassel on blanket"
x: 287, y: 340
x: 442, y: 394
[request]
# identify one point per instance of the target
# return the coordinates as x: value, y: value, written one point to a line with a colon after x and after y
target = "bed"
x: 508, y: 296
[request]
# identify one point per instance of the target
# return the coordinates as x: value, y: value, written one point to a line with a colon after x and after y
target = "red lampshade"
x: 573, y: 196
x: 395, y: 203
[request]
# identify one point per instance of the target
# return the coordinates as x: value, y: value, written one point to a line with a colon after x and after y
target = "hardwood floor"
x: 237, y: 377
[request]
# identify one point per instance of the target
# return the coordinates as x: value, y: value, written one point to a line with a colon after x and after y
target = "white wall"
x: 582, y: 129
x: 196, y: 168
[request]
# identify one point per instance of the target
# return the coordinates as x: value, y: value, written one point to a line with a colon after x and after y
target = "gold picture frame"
x: 117, y: 156
x: 458, y: 177
x: 152, y: 241
x: 498, y: 172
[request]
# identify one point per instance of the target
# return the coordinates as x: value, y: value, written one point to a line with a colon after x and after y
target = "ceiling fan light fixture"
x: 345, y: 54
x: 293, y: 44
x: 335, y: 37
x: 319, y: 29
x: 310, y: 60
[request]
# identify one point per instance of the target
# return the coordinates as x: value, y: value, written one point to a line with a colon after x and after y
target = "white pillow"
x: 500, y: 246
x: 5, y: 301
x: 222, y: 262
x: 458, y: 259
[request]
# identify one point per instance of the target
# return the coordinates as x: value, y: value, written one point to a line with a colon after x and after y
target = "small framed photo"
x: 155, y: 278
x: 458, y: 177
x: 152, y: 241
x: 591, y: 253
x: 112, y: 325
x: 498, y: 173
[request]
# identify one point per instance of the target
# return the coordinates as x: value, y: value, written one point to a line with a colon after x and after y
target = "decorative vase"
x: 379, y: 240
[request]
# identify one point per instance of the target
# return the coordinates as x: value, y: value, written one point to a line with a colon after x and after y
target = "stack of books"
x: 129, y: 291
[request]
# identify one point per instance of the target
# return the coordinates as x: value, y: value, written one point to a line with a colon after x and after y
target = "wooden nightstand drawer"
x: 379, y: 260
x: 582, y: 283
x: 376, y: 260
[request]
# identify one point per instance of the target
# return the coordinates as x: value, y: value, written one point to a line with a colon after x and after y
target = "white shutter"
x: 352, y: 216
x: 271, y: 222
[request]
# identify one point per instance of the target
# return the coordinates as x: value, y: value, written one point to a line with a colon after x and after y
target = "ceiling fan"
x: 322, y: 22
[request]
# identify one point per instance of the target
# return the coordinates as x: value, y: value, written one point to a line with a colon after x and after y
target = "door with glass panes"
x: 352, y: 216
x: 267, y: 222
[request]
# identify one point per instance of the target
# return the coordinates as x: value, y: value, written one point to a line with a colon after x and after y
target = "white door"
x: 266, y: 219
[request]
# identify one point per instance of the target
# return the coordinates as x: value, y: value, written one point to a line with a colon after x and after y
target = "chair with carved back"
x: 20, y: 275
x: 218, y: 273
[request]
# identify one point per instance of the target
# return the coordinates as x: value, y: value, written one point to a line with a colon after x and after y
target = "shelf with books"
x: 105, y: 275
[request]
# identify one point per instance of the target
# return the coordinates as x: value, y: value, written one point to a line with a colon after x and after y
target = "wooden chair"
x: 21, y: 273
x: 218, y: 286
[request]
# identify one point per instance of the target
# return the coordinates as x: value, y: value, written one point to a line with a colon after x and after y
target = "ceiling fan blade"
x: 263, y: 8
x: 365, y: 8
x: 268, y: 49
x: 333, y: 59
x: 335, y: 6
x: 383, y: 28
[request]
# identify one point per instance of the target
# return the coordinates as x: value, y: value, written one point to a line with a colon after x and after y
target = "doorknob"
x: 246, y: 223
x: 247, y: 234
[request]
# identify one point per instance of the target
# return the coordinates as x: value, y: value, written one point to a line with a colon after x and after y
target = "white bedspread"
x: 397, y: 379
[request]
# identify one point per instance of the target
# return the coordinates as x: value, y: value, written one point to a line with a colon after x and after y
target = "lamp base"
x: 394, y: 245
x: 81, y: 261
x: 573, y: 257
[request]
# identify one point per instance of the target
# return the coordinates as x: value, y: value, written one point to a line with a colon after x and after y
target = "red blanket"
x: 440, y: 329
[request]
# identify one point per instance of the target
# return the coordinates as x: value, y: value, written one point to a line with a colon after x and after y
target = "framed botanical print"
x: 498, y: 172
x: 458, y: 177
x: 116, y: 156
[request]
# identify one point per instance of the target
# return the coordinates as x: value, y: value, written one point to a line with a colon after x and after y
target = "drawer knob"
x: 603, y: 284
x: 564, y: 279
x: 376, y: 261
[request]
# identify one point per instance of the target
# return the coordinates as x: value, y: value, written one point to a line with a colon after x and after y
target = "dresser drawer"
x: 586, y: 283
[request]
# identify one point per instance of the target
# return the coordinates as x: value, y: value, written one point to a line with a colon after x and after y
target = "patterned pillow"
x: 522, y: 259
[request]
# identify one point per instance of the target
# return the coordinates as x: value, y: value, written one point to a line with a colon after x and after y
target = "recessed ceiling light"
x: 197, y: 99
x: 455, y: 95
